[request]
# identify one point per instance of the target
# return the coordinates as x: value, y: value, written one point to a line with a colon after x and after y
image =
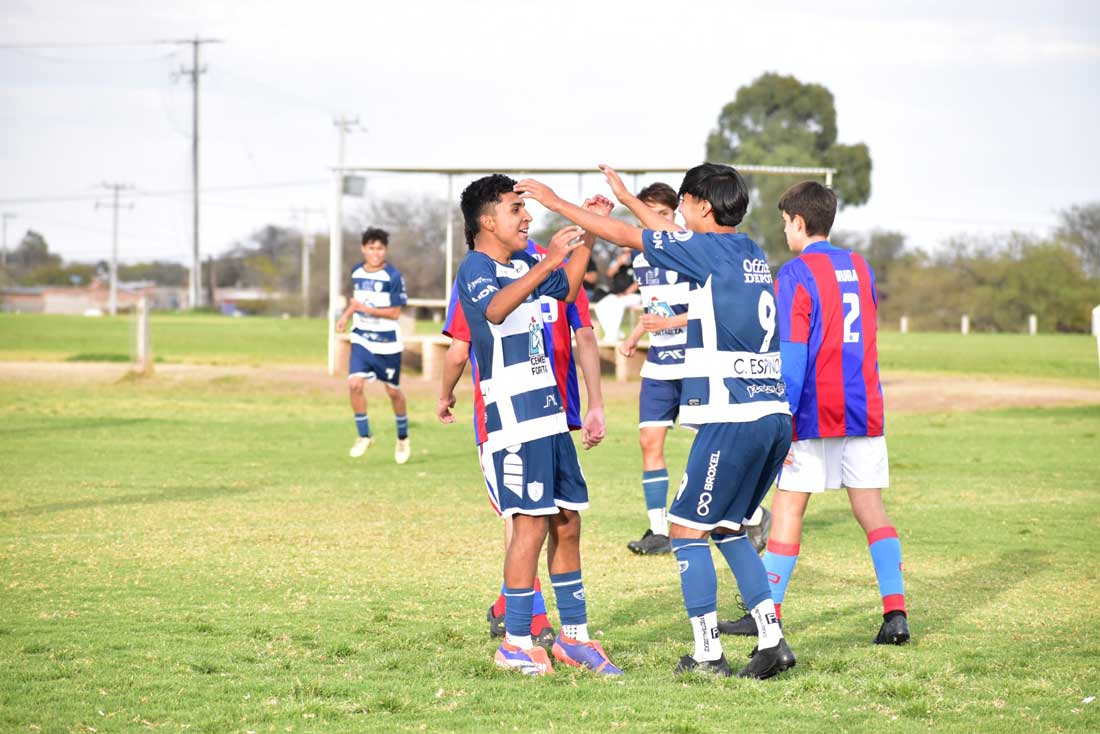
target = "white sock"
x: 523, y: 642
x: 707, y: 644
x: 756, y: 518
x: 767, y: 626
x: 578, y: 632
x: 657, y: 522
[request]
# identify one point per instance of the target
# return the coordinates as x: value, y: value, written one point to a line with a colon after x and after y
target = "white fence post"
x: 904, y: 324
x: 964, y: 324
x: 1032, y: 325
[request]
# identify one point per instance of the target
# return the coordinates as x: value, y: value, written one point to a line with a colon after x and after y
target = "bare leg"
x: 868, y: 508
x: 563, y: 550
x: 522, y: 558
x: 358, y: 398
x: 397, y: 399
x: 652, y: 441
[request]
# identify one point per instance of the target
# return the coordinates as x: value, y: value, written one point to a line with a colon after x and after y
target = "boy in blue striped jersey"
x: 378, y: 293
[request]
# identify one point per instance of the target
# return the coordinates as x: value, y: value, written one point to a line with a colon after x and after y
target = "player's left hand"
x: 618, y: 188
x: 593, y: 428
x: 599, y: 205
x: 443, y: 409
x: 529, y: 188
x: 653, y: 322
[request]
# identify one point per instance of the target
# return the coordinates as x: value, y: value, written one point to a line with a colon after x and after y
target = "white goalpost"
x: 336, y: 214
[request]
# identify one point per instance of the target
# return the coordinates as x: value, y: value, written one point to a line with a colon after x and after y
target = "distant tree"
x: 777, y: 120
x: 1080, y: 229
x: 33, y: 252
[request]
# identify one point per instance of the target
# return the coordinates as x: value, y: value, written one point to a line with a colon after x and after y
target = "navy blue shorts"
x: 535, y: 478
x: 730, y: 469
x: 386, y: 368
x: 659, y: 403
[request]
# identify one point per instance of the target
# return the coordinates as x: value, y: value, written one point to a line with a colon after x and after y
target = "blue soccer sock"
x: 746, y: 566
x: 779, y: 560
x: 362, y: 424
x: 699, y: 585
x: 402, y: 426
x: 517, y: 616
x: 572, y: 609
x: 886, y: 555
x: 752, y: 580
x: 655, y: 488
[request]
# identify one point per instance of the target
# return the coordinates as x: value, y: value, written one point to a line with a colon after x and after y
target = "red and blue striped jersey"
x: 560, y: 320
x: 827, y: 301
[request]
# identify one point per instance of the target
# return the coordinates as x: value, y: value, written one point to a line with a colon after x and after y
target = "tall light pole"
x: 114, y: 206
x: 304, y: 212
x: 344, y: 125
x: 5, y: 216
x: 196, y: 70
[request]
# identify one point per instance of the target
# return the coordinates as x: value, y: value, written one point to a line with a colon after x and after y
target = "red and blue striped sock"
x: 779, y: 560
x: 885, y: 548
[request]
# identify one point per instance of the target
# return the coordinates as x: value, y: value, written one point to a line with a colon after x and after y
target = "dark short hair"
x: 375, y: 234
x: 660, y: 193
x: 480, y: 194
x: 723, y: 187
x: 812, y: 201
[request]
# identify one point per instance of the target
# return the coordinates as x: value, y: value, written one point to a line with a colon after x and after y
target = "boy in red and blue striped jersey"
x: 828, y: 341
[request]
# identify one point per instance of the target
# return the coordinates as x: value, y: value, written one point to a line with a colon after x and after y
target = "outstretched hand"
x: 618, y: 188
x: 599, y: 204
x: 562, y: 244
x: 529, y: 188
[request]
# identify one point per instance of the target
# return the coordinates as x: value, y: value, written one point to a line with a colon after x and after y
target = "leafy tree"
x: 1080, y: 228
x: 777, y: 120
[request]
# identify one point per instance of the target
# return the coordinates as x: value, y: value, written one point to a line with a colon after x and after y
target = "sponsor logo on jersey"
x: 683, y: 235
x: 707, y: 496
x: 660, y: 308
x: 658, y: 241
x: 756, y: 270
x: 476, y: 282
x: 485, y: 292
x: 846, y: 276
x: 778, y: 389
x: 536, y: 348
x: 671, y: 353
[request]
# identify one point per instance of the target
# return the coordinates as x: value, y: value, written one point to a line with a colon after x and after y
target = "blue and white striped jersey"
x: 380, y: 289
x: 664, y: 293
x: 731, y: 370
x: 521, y: 401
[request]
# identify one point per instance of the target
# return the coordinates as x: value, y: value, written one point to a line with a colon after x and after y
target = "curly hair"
x: 375, y: 234
x: 480, y: 194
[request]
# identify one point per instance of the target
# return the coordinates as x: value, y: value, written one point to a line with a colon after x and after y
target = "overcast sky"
x: 980, y: 117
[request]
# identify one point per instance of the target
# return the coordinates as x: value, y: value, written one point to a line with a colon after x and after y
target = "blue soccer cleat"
x: 528, y: 662
x: 585, y: 655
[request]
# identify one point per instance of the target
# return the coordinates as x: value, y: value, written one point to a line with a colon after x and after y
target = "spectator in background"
x: 624, y: 294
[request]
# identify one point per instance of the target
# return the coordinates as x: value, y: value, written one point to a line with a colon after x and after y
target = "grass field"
x: 255, y: 340
x: 199, y: 554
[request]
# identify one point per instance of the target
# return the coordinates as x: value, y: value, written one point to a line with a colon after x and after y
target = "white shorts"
x: 853, y: 462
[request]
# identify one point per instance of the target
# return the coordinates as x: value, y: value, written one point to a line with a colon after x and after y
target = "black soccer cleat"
x: 545, y: 638
x: 719, y: 668
x: 894, y: 631
x: 650, y: 544
x: 758, y: 534
x: 766, y: 663
x: 496, y: 624
x: 745, y: 626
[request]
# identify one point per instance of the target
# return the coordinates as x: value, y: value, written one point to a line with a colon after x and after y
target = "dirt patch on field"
x: 904, y: 391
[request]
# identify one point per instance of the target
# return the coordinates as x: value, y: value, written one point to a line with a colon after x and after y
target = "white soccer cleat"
x: 360, y: 446
x: 402, y: 451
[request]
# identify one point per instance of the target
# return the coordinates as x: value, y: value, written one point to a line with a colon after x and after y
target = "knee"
x: 394, y: 393
x: 355, y: 385
x: 651, y: 445
x: 567, y: 526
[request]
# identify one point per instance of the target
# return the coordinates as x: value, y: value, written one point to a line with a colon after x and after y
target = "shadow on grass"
x: 179, y: 494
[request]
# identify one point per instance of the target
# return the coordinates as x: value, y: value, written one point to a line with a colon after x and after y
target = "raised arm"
x: 604, y: 227
x: 566, y: 241
x: 649, y: 218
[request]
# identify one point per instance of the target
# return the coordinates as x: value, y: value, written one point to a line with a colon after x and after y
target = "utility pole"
x: 5, y: 216
x: 196, y: 70
x: 304, y: 212
x: 114, y: 206
x: 344, y: 125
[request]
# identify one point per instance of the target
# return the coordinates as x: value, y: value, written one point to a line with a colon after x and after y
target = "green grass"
x: 256, y: 340
x: 202, y: 556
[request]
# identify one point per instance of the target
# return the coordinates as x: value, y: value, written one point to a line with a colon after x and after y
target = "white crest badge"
x: 534, y: 490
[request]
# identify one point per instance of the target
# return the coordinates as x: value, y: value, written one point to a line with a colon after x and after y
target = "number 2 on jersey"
x: 851, y: 304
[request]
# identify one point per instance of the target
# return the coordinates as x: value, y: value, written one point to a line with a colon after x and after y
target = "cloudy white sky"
x: 980, y: 116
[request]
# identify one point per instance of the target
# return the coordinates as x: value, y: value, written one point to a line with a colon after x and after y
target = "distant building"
x: 89, y: 299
